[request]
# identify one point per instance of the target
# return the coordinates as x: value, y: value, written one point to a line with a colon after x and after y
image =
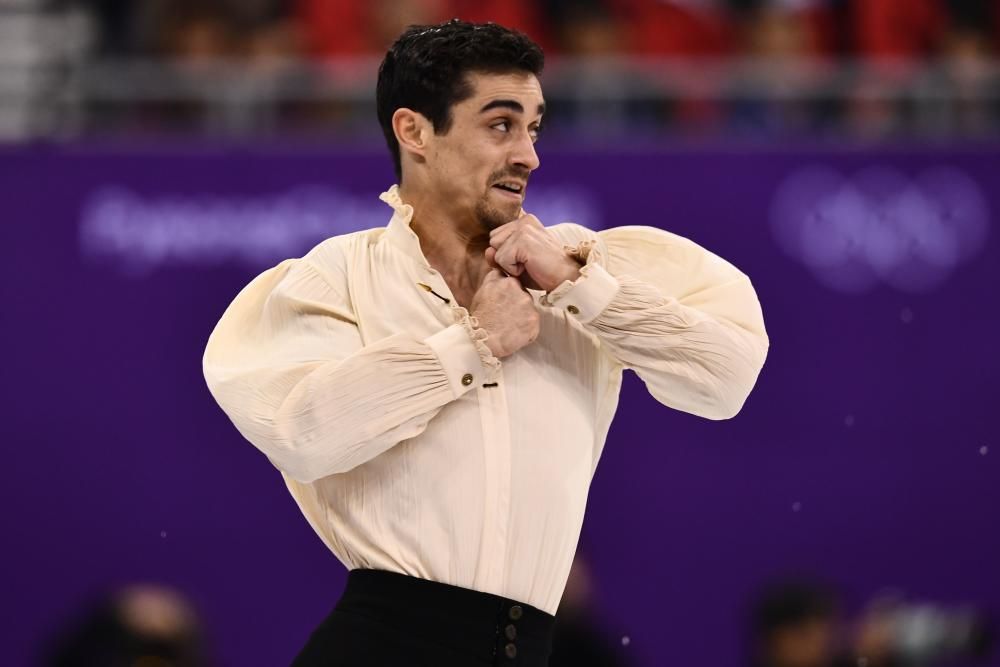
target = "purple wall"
x: 868, y: 453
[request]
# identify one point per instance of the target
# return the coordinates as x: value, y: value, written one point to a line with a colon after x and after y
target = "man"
x: 437, y: 393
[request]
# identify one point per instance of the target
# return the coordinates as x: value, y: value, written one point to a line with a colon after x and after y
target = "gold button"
x: 573, y: 310
x: 467, y: 379
x: 510, y: 651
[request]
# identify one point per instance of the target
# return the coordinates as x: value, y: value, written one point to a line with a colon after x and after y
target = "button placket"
x: 514, y: 613
x: 495, y: 423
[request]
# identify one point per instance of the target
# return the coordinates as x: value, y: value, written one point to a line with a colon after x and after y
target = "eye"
x: 503, y: 126
x: 534, y: 132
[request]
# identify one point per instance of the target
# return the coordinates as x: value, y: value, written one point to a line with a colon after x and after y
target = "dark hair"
x: 425, y: 70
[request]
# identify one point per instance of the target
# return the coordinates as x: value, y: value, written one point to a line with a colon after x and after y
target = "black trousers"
x: 385, y: 618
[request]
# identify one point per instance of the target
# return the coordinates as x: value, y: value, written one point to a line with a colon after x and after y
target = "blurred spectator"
x: 196, y: 34
x: 759, y: 68
x: 794, y: 624
x: 798, y: 623
x: 788, y: 44
x: 898, y: 29
x: 344, y: 27
x: 137, y: 626
x: 891, y: 632
x: 584, y: 28
x: 968, y: 50
x: 678, y: 28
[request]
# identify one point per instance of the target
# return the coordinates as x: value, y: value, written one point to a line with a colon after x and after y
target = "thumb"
x: 494, y: 274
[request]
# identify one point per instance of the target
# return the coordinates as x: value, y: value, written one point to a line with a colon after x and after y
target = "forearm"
x: 322, y: 418
x: 689, y: 360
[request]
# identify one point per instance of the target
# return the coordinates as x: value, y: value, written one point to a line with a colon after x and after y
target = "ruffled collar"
x: 404, y: 238
x: 391, y: 197
x: 398, y: 232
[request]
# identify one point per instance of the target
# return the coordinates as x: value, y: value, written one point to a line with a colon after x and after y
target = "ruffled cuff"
x: 478, y: 336
x: 463, y: 353
x: 585, y: 252
x: 587, y: 296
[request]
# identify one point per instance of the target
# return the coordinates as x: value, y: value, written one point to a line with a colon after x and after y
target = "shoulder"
x: 333, y: 257
x: 646, y: 245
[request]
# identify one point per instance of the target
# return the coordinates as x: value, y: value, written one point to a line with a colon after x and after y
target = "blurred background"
x: 755, y: 69
x: 155, y: 155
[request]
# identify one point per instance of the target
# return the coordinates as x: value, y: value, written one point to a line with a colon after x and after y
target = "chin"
x: 491, y: 216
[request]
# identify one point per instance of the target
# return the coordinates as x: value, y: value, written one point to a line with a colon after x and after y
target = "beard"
x: 489, y: 214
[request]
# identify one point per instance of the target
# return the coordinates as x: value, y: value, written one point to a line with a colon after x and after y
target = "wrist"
x: 570, y: 273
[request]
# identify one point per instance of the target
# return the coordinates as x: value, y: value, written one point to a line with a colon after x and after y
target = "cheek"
x: 463, y: 166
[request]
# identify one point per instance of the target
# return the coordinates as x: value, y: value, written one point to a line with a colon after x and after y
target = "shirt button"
x: 573, y: 310
x: 515, y: 612
x: 467, y: 379
x: 510, y: 632
x: 510, y: 650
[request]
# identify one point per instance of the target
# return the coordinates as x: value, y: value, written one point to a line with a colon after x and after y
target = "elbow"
x: 286, y: 432
x: 723, y: 394
x: 300, y: 469
x: 723, y: 407
x: 730, y: 393
x: 294, y: 460
x: 302, y: 462
x: 296, y: 450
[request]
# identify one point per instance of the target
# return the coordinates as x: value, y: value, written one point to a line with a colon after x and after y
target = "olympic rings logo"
x: 880, y: 226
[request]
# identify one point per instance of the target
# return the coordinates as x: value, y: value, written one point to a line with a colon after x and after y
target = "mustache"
x: 515, y: 174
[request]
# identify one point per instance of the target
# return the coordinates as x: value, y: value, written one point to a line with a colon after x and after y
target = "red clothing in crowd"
x: 348, y: 27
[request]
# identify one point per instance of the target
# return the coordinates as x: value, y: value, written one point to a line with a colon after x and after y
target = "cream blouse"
x: 409, y: 447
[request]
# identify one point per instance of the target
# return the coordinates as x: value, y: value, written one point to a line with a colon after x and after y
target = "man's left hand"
x: 525, y: 249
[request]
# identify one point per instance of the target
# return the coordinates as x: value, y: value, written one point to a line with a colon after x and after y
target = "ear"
x: 412, y: 131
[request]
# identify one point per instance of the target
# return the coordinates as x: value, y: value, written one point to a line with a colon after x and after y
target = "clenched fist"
x: 506, y: 311
x: 526, y: 249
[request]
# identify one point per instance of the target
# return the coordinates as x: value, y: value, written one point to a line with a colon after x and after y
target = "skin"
x: 467, y: 227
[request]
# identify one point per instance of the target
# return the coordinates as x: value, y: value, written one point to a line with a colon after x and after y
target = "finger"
x: 492, y: 262
x: 506, y: 258
x: 494, y: 274
x: 500, y: 235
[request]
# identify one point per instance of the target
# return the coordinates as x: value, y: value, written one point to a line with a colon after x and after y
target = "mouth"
x: 512, y: 189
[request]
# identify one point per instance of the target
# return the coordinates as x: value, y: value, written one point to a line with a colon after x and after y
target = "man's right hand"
x: 506, y: 311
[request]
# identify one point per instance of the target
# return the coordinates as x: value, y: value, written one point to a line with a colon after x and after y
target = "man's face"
x: 489, y: 149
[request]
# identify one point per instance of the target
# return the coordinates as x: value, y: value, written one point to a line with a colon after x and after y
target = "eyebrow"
x: 513, y: 105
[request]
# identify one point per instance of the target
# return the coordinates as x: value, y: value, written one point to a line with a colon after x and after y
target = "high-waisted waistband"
x: 488, y: 628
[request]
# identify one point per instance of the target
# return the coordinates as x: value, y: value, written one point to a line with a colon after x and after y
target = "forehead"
x: 523, y: 87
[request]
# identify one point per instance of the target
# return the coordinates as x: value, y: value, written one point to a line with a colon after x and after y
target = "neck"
x: 453, y: 244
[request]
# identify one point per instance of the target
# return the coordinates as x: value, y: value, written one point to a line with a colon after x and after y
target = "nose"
x: 523, y: 153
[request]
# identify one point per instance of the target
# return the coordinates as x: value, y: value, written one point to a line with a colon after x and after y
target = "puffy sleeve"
x: 688, y: 322
x: 286, y: 363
